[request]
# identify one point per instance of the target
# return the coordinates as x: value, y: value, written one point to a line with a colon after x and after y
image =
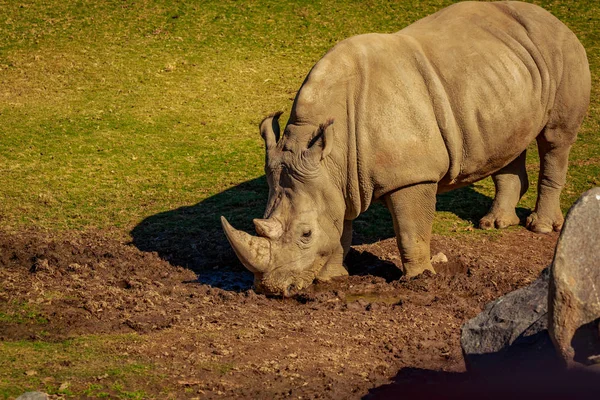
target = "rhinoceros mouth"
x: 281, y: 281
x: 269, y: 286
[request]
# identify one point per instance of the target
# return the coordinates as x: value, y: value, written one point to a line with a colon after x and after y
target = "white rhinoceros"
x: 447, y: 101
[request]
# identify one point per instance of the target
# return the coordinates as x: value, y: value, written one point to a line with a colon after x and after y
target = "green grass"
x: 114, y: 111
x: 68, y: 367
x: 20, y: 313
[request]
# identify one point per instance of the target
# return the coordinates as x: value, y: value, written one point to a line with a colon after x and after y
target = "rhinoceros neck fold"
x: 331, y: 91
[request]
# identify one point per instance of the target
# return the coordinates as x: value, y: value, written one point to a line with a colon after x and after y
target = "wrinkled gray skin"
x: 447, y: 101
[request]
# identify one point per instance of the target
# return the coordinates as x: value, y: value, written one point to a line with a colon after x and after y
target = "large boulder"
x: 511, y: 332
x: 574, y: 290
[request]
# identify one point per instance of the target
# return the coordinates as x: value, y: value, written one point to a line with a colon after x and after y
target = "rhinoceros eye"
x: 305, y: 238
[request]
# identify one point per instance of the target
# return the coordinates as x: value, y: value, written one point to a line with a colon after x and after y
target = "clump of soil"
x: 341, y: 339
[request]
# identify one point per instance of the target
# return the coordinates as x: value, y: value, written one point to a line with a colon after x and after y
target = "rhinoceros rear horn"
x: 269, y: 130
x: 254, y: 252
x: 269, y: 228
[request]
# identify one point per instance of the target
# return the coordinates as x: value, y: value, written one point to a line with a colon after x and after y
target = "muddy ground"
x: 215, y: 337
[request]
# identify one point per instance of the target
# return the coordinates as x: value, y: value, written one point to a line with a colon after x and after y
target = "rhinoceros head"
x: 299, y: 237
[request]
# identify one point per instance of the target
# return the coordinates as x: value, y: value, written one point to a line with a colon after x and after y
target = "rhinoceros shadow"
x: 540, y: 383
x: 192, y: 237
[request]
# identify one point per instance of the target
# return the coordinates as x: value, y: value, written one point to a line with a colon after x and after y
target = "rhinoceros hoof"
x: 412, y: 271
x: 331, y: 271
x: 498, y: 219
x: 539, y: 224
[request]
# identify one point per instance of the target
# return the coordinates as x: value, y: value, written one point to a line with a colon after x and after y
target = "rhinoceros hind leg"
x: 511, y: 183
x: 553, y: 145
x: 555, y: 140
x: 413, y: 209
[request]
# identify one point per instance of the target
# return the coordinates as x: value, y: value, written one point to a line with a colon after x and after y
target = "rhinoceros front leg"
x: 335, y: 266
x: 511, y: 183
x: 347, y: 236
x: 413, y: 209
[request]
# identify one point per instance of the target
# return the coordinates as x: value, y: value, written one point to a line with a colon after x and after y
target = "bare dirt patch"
x: 337, y: 340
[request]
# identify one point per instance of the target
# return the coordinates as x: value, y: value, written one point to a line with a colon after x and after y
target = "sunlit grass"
x: 115, y: 111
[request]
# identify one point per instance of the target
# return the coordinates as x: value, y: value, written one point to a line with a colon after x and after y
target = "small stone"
x: 594, y: 359
x: 354, y: 306
x: 31, y: 372
x: 439, y: 258
x: 33, y: 396
x: 40, y: 265
x: 362, y: 303
x: 574, y: 291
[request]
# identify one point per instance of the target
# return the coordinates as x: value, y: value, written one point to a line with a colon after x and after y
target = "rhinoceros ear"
x: 322, y: 143
x: 269, y: 130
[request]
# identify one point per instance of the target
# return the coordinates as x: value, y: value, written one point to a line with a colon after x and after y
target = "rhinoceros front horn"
x: 254, y: 252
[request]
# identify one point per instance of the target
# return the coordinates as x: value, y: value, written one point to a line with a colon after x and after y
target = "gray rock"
x: 511, y: 332
x: 574, y: 291
x: 439, y: 258
x: 33, y: 396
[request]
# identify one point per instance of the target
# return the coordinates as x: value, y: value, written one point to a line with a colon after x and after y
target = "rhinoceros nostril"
x: 291, y: 290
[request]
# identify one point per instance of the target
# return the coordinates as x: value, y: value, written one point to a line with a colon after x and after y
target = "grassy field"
x: 114, y: 112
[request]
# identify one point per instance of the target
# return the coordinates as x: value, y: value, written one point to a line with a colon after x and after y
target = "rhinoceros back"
x: 498, y: 66
x: 451, y: 98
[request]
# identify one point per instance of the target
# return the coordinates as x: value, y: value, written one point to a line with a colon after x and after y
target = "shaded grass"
x: 87, y: 365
